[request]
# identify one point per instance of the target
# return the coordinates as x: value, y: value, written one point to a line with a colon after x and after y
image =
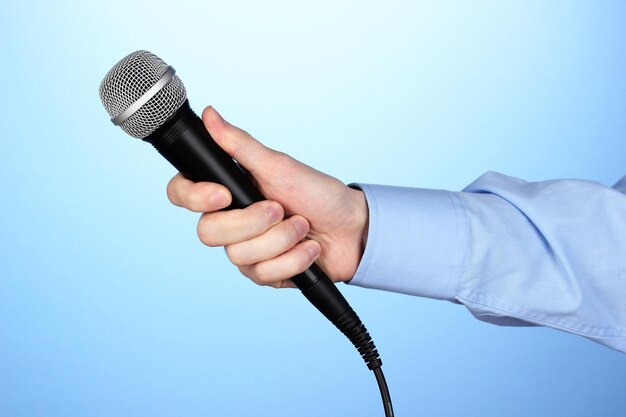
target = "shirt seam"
x: 466, y: 255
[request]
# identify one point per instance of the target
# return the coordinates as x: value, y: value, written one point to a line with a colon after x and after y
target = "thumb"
x: 238, y: 143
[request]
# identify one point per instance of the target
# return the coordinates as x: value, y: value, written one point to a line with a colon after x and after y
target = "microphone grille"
x: 128, y: 80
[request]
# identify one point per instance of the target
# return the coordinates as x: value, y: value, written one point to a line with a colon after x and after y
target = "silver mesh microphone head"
x: 141, y: 92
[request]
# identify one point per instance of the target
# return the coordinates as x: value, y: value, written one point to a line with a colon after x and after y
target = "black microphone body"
x: 185, y: 142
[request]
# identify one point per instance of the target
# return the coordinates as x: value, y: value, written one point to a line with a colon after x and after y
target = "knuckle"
x: 249, y: 273
x: 245, y: 271
x: 171, y: 192
x: 204, y: 232
x: 283, y: 163
x: 282, y: 158
x: 263, y: 274
x: 233, y: 255
x: 194, y: 200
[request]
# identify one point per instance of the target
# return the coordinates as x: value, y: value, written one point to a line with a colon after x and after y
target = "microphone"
x: 144, y: 96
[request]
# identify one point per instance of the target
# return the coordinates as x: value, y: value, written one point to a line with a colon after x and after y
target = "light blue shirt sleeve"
x: 550, y: 253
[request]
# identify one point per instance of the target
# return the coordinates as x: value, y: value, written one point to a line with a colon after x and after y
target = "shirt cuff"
x: 417, y: 241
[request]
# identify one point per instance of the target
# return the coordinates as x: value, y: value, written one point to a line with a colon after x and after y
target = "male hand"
x: 308, y: 215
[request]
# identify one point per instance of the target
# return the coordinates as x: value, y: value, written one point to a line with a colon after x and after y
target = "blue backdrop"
x: 110, y: 306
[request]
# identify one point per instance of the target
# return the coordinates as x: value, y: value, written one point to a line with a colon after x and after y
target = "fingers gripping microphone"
x: 147, y: 100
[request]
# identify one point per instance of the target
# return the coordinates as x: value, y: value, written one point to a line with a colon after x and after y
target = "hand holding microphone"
x: 265, y: 240
x: 147, y: 100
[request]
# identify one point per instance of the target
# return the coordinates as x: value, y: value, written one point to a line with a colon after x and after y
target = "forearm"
x: 548, y: 253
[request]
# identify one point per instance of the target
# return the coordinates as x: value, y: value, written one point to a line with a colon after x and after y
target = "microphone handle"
x: 185, y: 142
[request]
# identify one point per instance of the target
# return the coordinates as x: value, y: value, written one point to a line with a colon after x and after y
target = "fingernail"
x: 300, y: 226
x: 219, y: 199
x: 313, y: 250
x: 275, y: 212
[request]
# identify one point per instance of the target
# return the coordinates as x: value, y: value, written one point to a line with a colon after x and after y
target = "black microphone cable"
x: 384, y: 391
x: 147, y: 100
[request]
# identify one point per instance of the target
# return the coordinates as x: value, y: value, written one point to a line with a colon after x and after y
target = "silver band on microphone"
x: 145, y: 97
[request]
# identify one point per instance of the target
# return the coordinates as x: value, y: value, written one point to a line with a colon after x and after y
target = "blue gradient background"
x: 109, y: 306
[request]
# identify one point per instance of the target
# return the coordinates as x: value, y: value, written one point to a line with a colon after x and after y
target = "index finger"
x: 201, y: 197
